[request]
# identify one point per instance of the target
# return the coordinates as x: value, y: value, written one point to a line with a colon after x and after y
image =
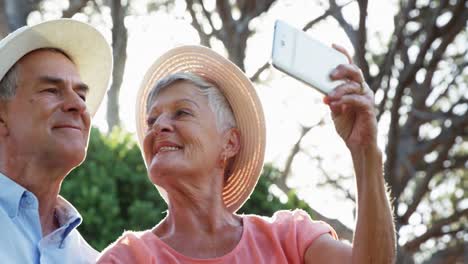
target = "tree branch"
x: 336, y: 184
x: 433, y: 168
x: 295, y: 149
x: 338, y: 15
x: 435, y: 230
x: 225, y: 13
x: 450, y: 255
x: 204, y: 38
x: 260, y: 70
x: 74, y: 7
x: 395, y: 45
x: 458, y: 162
x: 361, y: 37
x: 208, y: 17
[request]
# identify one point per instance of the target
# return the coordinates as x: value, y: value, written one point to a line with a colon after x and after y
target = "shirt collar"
x: 68, y: 218
x: 67, y: 215
x: 10, y: 196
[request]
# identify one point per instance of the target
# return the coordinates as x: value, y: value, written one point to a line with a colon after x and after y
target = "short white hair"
x: 216, y: 100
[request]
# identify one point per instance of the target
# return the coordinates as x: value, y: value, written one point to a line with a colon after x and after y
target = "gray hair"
x: 216, y: 100
x: 9, y: 82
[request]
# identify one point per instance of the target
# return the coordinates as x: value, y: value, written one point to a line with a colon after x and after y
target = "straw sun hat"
x: 87, y: 48
x: 243, y: 100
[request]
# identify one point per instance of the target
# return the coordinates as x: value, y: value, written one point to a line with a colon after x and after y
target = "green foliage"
x: 263, y: 202
x: 112, y: 192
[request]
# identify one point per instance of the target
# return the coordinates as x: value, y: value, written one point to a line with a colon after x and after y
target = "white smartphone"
x: 304, y: 58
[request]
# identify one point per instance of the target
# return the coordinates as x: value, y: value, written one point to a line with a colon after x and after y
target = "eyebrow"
x: 152, y: 109
x: 59, y: 81
x: 189, y: 101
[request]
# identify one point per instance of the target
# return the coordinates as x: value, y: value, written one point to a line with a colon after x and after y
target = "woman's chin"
x: 159, y: 169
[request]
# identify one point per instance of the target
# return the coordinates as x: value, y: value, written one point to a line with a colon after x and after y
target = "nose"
x: 163, y: 124
x: 72, y: 102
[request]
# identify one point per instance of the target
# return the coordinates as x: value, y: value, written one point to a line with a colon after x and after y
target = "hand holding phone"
x: 304, y: 58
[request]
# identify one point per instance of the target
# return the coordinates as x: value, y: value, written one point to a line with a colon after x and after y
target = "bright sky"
x: 287, y: 103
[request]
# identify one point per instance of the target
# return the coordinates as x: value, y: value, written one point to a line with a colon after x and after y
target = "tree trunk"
x: 17, y: 12
x: 119, y: 46
x: 14, y: 14
x: 3, y: 20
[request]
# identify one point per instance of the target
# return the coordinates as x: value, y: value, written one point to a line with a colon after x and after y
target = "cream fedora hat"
x: 239, y: 92
x: 87, y: 48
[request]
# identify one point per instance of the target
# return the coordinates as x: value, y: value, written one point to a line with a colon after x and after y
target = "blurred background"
x: 414, y: 56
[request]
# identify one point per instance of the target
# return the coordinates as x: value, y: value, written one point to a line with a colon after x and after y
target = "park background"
x: 413, y: 53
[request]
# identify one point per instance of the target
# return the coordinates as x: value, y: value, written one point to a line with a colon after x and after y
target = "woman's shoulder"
x: 282, y: 217
x: 288, y: 232
x: 133, y: 237
x: 129, y: 246
x: 290, y: 222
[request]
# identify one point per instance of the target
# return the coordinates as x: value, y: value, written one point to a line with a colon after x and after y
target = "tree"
x: 420, y: 83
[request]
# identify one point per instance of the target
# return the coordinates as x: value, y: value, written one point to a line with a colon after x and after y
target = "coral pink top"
x: 283, y: 238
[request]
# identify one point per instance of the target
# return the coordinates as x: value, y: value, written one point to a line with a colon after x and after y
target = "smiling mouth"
x: 68, y: 127
x: 168, y: 149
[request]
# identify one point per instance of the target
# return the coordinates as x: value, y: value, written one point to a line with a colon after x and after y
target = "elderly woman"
x: 202, y: 132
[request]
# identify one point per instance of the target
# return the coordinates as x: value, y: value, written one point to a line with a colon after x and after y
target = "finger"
x: 347, y: 71
x: 343, y: 50
x: 355, y: 101
x: 343, y: 89
x: 336, y: 109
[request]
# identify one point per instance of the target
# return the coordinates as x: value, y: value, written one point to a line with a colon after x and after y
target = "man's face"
x: 47, y: 119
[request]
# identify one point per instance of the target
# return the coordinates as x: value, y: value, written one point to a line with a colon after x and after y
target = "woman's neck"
x: 198, y: 224
x: 196, y: 209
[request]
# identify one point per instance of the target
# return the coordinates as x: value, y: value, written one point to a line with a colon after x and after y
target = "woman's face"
x: 182, y: 138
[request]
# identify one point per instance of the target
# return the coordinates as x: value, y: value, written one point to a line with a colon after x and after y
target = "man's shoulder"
x: 79, y: 249
x: 85, y: 247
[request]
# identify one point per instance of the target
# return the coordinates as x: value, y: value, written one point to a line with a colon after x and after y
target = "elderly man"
x: 53, y: 78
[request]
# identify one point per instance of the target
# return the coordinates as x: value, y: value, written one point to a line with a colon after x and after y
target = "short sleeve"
x: 299, y: 231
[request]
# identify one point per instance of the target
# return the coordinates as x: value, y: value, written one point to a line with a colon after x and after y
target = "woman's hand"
x: 352, y: 106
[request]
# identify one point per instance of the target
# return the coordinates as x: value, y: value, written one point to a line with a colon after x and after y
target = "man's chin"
x: 70, y: 156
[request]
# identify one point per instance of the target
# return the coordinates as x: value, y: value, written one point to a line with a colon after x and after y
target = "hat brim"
x: 239, y: 92
x: 86, y: 46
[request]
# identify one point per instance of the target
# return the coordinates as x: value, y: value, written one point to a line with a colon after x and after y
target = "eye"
x: 182, y: 112
x: 83, y: 97
x: 150, y: 121
x: 50, y: 90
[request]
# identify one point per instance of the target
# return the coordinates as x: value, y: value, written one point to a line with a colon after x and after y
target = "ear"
x: 232, y: 142
x: 3, y: 118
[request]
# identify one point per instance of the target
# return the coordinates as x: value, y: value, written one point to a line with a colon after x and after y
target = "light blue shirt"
x: 21, y: 239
